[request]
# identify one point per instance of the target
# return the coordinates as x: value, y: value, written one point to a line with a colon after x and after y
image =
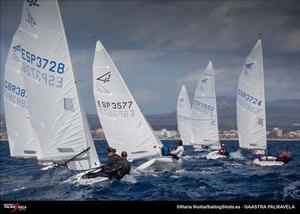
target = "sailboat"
x: 204, y: 122
x: 250, y: 103
x: 45, y: 118
x: 124, y: 125
x: 184, y: 114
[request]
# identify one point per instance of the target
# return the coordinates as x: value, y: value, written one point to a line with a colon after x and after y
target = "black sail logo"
x: 105, y: 77
x: 101, y: 81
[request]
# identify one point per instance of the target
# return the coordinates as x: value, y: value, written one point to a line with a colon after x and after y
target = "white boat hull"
x: 214, y: 155
x: 200, y: 148
x: 88, y: 181
x: 270, y: 161
x: 161, y: 164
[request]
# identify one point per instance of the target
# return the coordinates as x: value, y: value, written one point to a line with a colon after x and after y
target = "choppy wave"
x: 233, y: 178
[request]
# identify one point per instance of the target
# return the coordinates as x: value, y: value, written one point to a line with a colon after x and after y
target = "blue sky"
x: 158, y: 46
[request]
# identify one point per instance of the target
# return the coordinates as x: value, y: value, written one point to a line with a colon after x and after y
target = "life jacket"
x: 222, y: 150
x: 283, y: 154
x: 165, y: 151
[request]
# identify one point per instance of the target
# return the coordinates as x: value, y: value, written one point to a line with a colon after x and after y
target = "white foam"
x: 236, y: 155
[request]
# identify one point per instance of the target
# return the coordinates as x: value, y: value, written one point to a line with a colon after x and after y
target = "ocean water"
x: 233, y: 178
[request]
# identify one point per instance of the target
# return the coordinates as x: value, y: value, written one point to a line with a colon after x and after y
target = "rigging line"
x: 67, y: 161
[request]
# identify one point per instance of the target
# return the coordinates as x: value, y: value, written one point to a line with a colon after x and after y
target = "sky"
x: 159, y: 45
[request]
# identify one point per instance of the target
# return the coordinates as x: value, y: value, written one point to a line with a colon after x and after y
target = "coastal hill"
x: 281, y: 113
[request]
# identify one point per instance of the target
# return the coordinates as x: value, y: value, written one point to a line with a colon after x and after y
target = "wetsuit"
x: 109, y: 170
x: 124, y: 168
x: 112, y: 166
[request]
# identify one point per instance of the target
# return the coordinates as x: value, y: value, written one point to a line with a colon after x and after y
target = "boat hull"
x: 79, y: 179
x: 214, y: 155
x: 161, y: 164
x: 270, y: 161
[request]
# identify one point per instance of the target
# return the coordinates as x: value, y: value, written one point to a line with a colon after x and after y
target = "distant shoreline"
x: 271, y: 139
x: 226, y: 139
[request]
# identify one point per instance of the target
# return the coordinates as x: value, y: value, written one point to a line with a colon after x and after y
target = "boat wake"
x: 236, y: 155
x: 129, y: 179
x: 193, y: 157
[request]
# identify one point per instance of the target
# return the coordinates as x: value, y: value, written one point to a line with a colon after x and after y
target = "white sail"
x: 184, y: 114
x: 22, y: 142
x: 251, y: 117
x: 124, y: 125
x: 54, y: 107
x: 204, y: 110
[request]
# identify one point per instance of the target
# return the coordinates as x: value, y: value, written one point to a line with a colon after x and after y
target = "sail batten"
x: 251, y: 117
x: 125, y: 127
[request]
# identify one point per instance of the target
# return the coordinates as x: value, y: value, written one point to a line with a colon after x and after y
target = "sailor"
x: 223, y: 150
x: 284, y: 156
x: 110, y: 168
x: 125, y: 166
x: 178, y: 152
x: 165, y: 150
x: 113, y: 158
x: 259, y: 156
x: 112, y: 165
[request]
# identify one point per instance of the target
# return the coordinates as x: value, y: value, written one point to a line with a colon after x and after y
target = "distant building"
x: 3, y: 135
x: 276, y: 133
x: 293, y: 134
x: 232, y: 134
x: 157, y: 133
x: 2, y: 124
x: 98, y: 133
x: 171, y: 133
x: 163, y: 133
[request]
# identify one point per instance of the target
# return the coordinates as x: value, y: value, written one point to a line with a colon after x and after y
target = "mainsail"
x: 204, y: 110
x: 124, y: 125
x: 251, y: 117
x: 184, y: 116
x: 55, y: 112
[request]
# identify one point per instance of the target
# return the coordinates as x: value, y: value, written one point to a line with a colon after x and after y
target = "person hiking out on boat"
x: 223, y: 150
x: 165, y: 150
x: 125, y: 166
x: 284, y: 156
x: 259, y: 156
x: 178, y: 152
x: 110, y: 168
